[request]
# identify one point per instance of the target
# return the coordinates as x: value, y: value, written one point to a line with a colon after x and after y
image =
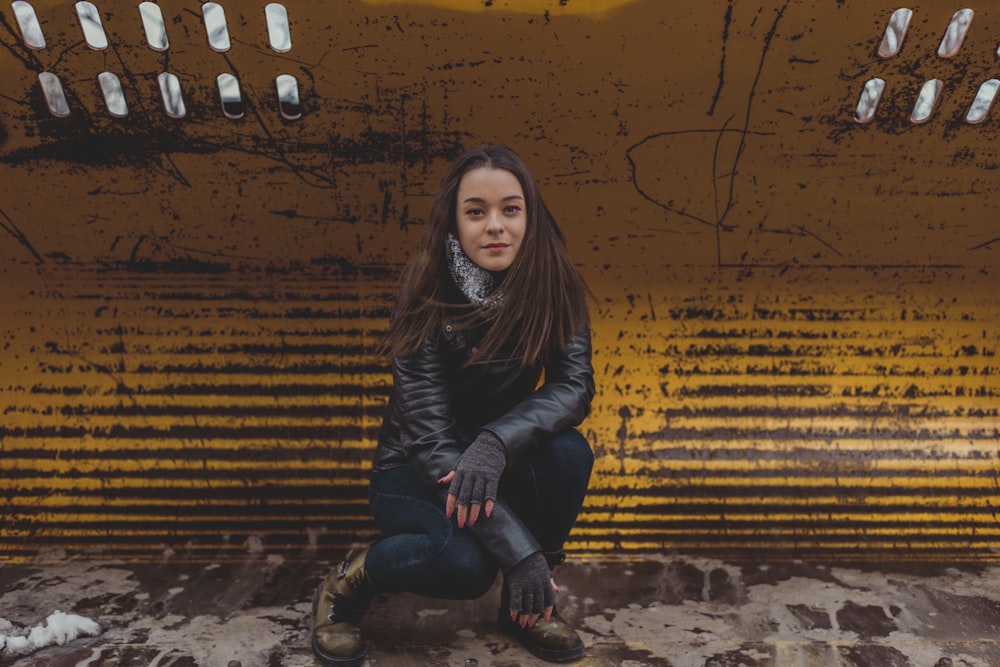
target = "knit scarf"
x: 476, y: 283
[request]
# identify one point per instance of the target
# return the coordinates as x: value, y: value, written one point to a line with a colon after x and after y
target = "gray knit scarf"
x: 476, y: 283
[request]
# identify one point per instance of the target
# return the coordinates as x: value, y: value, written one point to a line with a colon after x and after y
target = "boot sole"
x: 329, y: 660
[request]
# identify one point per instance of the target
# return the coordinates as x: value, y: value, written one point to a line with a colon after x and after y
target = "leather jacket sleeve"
x: 505, y: 536
x: 428, y: 431
x: 562, y: 402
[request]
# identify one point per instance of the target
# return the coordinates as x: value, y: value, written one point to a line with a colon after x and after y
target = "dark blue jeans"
x: 425, y: 552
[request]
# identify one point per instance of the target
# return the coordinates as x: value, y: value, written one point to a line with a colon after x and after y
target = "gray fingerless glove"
x: 530, y: 586
x: 477, y: 473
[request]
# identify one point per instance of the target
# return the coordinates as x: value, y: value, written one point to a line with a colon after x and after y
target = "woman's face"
x: 490, y: 217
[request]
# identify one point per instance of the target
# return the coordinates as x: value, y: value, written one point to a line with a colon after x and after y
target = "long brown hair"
x: 545, y: 298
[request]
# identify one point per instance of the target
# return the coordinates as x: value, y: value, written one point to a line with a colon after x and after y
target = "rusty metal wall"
x: 796, y: 322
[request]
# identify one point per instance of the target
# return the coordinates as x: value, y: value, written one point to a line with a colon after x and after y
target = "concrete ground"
x: 661, y: 611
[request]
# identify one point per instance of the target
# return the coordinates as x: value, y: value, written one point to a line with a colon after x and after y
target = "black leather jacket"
x: 438, y: 405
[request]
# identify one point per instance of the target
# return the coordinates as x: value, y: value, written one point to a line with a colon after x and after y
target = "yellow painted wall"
x: 796, y: 323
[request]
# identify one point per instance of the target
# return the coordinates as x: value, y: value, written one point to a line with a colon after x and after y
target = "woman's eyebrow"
x: 479, y: 200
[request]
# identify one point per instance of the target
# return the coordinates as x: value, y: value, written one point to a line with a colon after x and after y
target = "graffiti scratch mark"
x: 800, y: 230
x: 667, y: 206
x: 27, y: 57
x: 121, y: 387
x: 625, y: 414
x: 11, y: 228
x: 722, y: 61
x: 279, y: 155
x: 988, y: 245
x: 722, y: 203
x: 750, y: 99
x: 292, y: 215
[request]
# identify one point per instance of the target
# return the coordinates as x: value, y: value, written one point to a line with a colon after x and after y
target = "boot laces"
x: 346, y: 610
x: 350, y: 609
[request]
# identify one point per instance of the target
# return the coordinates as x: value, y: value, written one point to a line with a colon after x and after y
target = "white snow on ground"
x: 57, y: 629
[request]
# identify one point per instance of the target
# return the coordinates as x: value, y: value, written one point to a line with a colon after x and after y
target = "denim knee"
x: 571, y: 446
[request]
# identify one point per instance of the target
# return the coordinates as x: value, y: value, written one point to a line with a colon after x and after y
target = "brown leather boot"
x: 338, y: 606
x: 552, y: 640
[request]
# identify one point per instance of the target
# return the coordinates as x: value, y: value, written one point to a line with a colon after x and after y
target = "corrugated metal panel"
x: 195, y: 413
x: 190, y: 412
x: 858, y: 421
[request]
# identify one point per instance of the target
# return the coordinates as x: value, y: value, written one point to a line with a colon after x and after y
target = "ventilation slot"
x: 229, y: 94
x: 55, y: 98
x: 279, y: 35
x: 958, y: 28
x: 27, y: 21
x: 927, y: 101
x: 895, y: 32
x: 288, y: 97
x: 114, y: 95
x: 980, y: 108
x: 152, y: 23
x: 170, y: 89
x: 93, y: 30
x: 868, y: 103
x: 215, y: 25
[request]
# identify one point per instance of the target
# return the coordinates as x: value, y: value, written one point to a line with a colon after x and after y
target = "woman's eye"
x: 474, y: 212
x: 513, y: 209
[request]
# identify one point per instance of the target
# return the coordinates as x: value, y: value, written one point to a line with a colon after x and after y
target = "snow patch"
x: 423, y: 613
x: 56, y: 630
x: 94, y: 657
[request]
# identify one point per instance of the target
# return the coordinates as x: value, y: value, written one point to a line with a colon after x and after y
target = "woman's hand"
x: 470, y: 512
x: 473, y: 483
x: 532, y: 590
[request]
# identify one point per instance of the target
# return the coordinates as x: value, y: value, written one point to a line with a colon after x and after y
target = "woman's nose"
x: 495, y: 223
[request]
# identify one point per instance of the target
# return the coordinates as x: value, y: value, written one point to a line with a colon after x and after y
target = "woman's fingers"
x: 449, y: 506
x: 468, y: 512
x: 474, y: 513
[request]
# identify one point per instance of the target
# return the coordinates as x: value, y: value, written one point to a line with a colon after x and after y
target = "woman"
x: 478, y: 467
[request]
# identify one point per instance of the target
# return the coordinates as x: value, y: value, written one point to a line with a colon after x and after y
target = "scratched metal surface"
x: 796, y: 315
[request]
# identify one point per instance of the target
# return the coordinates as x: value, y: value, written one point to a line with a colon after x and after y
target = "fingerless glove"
x: 477, y: 473
x: 530, y: 585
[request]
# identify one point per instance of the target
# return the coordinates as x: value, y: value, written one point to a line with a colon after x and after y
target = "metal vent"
x: 153, y: 25
x: 929, y: 97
